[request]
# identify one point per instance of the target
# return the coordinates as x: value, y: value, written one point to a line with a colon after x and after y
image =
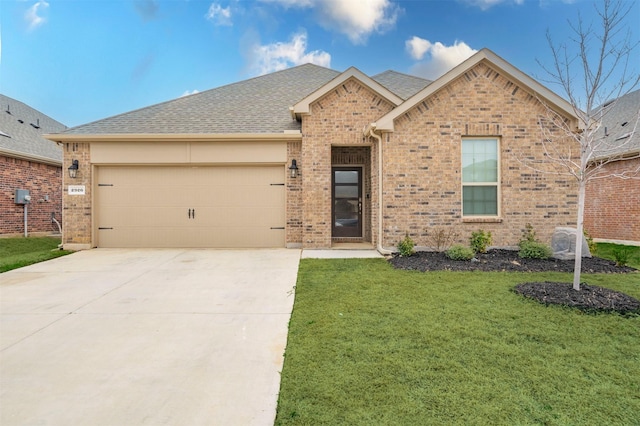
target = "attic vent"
x: 625, y: 123
x: 20, y: 121
x: 4, y: 134
x: 8, y: 110
x: 37, y: 125
x: 626, y: 135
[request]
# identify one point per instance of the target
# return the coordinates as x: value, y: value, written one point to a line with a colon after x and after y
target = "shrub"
x: 592, y: 244
x: 460, y: 252
x: 480, y: 240
x: 528, y: 235
x: 441, y: 240
x: 534, y: 250
x: 405, y: 246
x: 622, y: 256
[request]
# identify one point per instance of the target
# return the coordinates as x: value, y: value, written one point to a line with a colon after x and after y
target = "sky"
x: 78, y: 61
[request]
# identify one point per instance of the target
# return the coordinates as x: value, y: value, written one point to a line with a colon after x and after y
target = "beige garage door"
x: 226, y: 207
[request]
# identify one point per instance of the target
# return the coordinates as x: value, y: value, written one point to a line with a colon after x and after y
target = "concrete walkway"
x: 145, y: 337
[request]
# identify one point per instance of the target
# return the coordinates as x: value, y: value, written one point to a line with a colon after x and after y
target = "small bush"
x: 622, y: 256
x: 534, y: 250
x: 528, y: 235
x: 405, y: 246
x: 592, y: 244
x: 480, y: 240
x: 441, y: 240
x: 460, y: 252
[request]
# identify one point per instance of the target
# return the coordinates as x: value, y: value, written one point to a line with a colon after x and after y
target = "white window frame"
x: 496, y: 183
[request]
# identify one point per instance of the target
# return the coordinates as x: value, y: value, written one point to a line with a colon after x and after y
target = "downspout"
x: 370, y: 131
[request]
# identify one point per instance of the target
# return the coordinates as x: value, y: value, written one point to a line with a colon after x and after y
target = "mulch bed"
x: 589, y: 298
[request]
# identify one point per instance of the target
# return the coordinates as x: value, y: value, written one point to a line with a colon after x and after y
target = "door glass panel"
x: 346, y: 177
x: 347, y: 191
x: 346, y: 213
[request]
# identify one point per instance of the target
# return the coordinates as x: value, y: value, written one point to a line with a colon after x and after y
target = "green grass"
x: 372, y: 345
x: 18, y: 252
x: 607, y: 251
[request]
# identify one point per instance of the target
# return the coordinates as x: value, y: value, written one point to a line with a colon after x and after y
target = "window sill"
x: 480, y: 219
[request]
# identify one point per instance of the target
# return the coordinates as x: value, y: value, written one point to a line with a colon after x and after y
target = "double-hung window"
x: 480, y: 177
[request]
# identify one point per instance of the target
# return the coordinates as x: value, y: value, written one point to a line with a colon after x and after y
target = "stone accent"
x: 612, y: 205
x: 335, y: 120
x: 44, y: 183
x: 422, y: 163
x: 76, y: 215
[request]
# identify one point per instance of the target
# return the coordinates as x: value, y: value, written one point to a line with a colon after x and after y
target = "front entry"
x: 346, y: 196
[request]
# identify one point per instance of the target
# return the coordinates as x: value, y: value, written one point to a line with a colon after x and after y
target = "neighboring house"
x: 30, y: 162
x: 612, y: 206
x: 376, y: 157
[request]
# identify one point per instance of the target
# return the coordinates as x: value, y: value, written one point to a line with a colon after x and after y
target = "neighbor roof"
x: 620, y: 128
x: 21, y: 130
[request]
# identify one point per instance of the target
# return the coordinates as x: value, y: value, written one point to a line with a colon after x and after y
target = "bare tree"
x: 595, y: 68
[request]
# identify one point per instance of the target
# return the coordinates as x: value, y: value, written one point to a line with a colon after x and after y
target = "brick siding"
x: 76, y: 214
x: 335, y: 120
x: 44, y: 183
x: 612, y: 206
x: 422, y: 164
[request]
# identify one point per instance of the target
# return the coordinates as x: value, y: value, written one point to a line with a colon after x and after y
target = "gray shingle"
x: 403, y: 85
x: 21, y: 129
x: 618, y: 122
x: 257, y: 105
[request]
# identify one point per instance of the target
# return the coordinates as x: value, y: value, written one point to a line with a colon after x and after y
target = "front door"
x: 346, y: 195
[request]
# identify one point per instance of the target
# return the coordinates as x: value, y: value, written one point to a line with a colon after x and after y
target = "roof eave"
x: 31, y: 157
x: 287, y: 135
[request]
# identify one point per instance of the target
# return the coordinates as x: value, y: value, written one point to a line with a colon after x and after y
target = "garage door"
x: 225, y: 207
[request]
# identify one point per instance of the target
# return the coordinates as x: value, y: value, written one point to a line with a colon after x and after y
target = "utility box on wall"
x: 22, y: 196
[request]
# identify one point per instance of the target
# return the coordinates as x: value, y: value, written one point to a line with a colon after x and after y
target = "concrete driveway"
x: 146, y: 337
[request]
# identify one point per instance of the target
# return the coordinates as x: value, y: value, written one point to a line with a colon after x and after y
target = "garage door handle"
x: 193, y: 213
x: 189, y: 213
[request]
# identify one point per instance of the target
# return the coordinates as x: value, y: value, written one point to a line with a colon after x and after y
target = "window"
x: 480, y: 177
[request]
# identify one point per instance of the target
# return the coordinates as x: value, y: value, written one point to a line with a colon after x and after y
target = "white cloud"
x: 442, y: 58
x: 219, y: 15
x: 189, y: 92
x: 417, y: 47
x: 31, y: 16
x: 280, y: 55
x: 357, y: 19
x: 487, y: 4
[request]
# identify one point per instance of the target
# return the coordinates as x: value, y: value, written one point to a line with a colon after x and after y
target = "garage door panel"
x: 191, y: 206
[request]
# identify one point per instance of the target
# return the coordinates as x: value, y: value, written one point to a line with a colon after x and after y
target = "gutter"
x: 370, y: 131
x: 287, y: 135
x: 31, y: 157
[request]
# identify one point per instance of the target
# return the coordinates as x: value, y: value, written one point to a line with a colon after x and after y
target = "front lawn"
x: 369, y: 344
x: 18, y: 252
x: 609, y: 251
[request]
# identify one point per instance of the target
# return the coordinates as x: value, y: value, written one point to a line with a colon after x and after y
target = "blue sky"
x: 82, y: 60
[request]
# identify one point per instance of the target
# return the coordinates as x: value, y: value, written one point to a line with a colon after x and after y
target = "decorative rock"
x: 563, y: 244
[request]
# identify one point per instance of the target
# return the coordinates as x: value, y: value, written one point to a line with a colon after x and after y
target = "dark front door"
x: 346, y: 194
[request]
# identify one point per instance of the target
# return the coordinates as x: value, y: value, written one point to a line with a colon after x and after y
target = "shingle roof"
x: 21, y: 130
x: 403, y: 85
x: 257, y: 105
x: 617, y: 127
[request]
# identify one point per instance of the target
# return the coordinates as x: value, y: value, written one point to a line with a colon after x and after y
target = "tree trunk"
x: 579, y: 234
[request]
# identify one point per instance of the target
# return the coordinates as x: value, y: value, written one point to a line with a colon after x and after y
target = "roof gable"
x: 21, y: 130
x: 386, y: 123
x: 618, y: 133
x: 302, y: 107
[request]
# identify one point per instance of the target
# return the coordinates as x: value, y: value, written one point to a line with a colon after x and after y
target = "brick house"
x: 31, y: 162
x: 311, y: 157
x: 612, y: 206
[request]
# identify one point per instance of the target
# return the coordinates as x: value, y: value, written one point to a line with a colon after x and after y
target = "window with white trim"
x: 480, y: 176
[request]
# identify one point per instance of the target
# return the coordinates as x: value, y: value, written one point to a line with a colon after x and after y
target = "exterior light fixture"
x: 73, y: 169
x: 293, y: 168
